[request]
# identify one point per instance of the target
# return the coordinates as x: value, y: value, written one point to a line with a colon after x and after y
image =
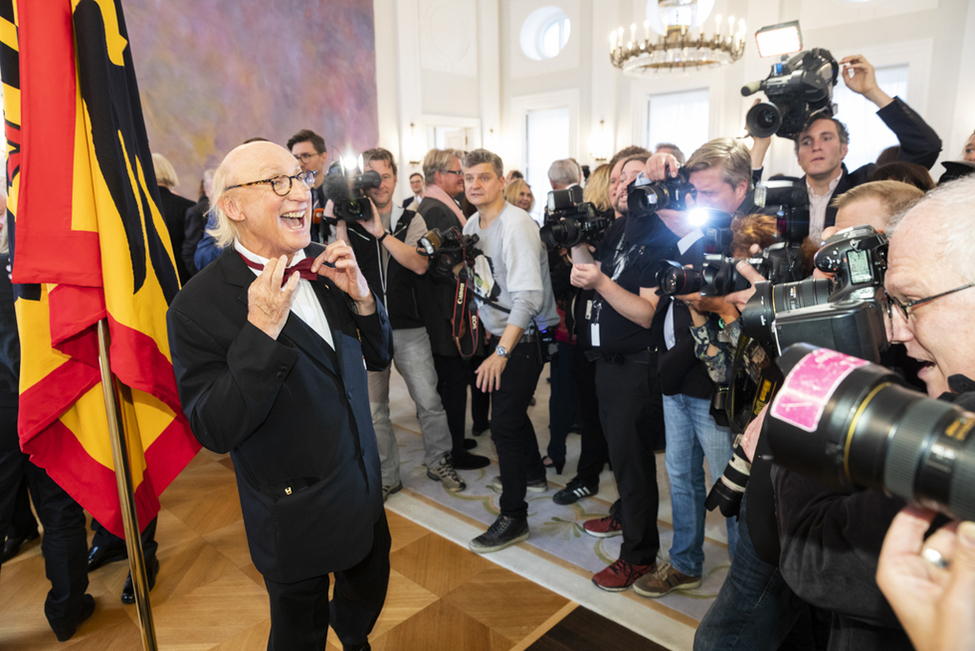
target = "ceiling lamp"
x: 684, y: 46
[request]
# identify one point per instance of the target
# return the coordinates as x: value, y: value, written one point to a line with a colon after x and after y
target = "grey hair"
x: 564, y: 172
x: 481, y: 156
x: 438, y: 160
x: 225, y: 232
x: 950, y: 213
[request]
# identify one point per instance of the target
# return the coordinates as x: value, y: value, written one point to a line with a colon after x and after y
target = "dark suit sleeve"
x: 831, y: 543
x: 919, y: 143
x: 226, y: 393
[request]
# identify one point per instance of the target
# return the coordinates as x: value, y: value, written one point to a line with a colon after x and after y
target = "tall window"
x: 868, y: 133
x: 679, y: 118
x: 547, y: 141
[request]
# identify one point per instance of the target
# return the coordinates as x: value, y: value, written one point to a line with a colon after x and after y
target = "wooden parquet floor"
x: 209, y: 597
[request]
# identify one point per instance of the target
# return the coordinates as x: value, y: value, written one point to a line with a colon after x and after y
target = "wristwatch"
x: 501, y: 351
x: 382, y: 237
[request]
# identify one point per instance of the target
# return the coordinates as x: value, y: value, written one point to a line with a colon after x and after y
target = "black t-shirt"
x: 631, y: 267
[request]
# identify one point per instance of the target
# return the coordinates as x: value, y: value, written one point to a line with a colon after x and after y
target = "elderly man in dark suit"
x: 270, y: 347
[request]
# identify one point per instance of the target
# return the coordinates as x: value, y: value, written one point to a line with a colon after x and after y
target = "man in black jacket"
x: 444, y: 177
x: 385, y: 248
x: 271, y: 370
x: 822, y: 145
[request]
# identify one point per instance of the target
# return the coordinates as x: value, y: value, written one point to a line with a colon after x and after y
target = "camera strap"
x: 465, y: 326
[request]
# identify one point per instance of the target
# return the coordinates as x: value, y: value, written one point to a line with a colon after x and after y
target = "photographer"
x: 385, y: 247
x: 822, y: 144
x: 622, y: 275
x: 720, y: 172
x: 515, y: 303
x: 444, y: 177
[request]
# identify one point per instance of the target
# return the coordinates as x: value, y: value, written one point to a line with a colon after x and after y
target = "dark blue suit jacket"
x: 293, y: 413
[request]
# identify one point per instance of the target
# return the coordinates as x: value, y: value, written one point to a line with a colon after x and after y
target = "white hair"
x: 949, y: 212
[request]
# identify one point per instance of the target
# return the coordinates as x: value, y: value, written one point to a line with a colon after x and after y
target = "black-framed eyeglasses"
x: 905, y: 309
x: 304, y: 158
x: 282, y: 184
x: 457, y: 172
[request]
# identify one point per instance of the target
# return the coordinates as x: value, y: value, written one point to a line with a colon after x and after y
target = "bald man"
x: 270, y: 345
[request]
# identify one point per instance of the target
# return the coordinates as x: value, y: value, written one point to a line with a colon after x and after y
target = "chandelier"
x: 684, y: 46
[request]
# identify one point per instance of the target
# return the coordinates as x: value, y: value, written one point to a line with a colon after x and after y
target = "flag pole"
x: 123, y: 476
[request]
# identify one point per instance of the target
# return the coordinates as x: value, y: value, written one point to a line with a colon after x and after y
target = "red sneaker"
x: 604, y: 527
x: 621, y: 575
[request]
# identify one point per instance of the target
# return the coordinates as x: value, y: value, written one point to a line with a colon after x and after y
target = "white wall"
x: 458, y: 62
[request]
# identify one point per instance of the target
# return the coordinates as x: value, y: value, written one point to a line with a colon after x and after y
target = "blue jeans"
x: 692, y: 436
x: 754, y: 610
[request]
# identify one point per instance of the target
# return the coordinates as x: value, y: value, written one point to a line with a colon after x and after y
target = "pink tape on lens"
x: 806, y: 390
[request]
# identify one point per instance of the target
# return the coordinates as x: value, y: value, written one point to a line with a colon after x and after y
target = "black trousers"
x: 301, y: 612
x: 22, y: 523
x: 593, y: 453
x: 628, y: 398
x: 512, y: 430
x: 454, y: 375
x: 65, y: 542
x: 105, y: 538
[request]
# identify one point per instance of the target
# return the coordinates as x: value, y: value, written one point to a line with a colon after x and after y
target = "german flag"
x: 89, y: 243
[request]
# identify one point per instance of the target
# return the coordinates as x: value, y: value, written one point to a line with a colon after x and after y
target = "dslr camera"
x: 569, y: 221
x: 447, y: 249
x: 796, y: 89
x: 844, y: 314
x: 348, y: 193
x: 645, y: 197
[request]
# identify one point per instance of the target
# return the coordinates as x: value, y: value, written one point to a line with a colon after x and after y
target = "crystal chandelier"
x: 685, y: 46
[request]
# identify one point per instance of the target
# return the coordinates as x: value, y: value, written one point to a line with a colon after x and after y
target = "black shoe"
x: 358, y: 647
x: 128, y: 592
x: 574, y: 491
x: 477, y: 431
x: 13, y: 544
x: 98, y: 556
x: 470, y: 461
x: 65, y: 633
x: 470, y: 444
x: 505, y: 532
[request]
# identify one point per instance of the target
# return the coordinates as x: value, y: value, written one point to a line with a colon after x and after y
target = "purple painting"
x: 213, y: 74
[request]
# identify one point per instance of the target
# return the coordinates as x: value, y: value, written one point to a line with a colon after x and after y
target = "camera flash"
x: 776, y: 40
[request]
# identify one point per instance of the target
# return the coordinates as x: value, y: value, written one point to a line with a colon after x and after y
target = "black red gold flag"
x: 89, y: 243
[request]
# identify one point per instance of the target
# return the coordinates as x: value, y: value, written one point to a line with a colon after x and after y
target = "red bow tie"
x: 302, y: 268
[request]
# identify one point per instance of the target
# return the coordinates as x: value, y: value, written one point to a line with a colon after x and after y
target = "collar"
x: 688, y: 240
x: 253, y: 257
x: 832, y: 185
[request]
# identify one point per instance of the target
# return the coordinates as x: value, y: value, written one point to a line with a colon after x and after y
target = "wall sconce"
x: 413, y: 148
x: 600, y: 143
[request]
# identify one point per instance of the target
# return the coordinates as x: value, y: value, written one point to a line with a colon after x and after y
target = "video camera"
x: 851, y: 424
x: 447, y: 249
x: 348, y: 193
x: 796, y: 89
x: 569, y: 221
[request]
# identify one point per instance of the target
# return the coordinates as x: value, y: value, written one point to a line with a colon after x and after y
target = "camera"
x: 569, y: 221
x: 348, y: 193
x: 447, y: 249
x: 645, y: 197
x: 796, y: 89
x: 844, y: 314
x: 779, y: 263
x: 851, y: 424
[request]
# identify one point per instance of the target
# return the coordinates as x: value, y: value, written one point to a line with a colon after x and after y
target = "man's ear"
x: 232, y: 208
x: 843, y: 149
x: 741, y: 191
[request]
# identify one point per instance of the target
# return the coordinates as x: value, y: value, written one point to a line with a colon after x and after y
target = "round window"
x: 544, y: 33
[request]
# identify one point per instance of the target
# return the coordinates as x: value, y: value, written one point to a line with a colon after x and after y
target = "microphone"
x: 751, y: 88
x: 336, y: 188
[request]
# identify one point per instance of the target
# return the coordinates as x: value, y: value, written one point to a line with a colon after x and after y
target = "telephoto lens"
x: 726, y: 493
x: 851, y: 424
